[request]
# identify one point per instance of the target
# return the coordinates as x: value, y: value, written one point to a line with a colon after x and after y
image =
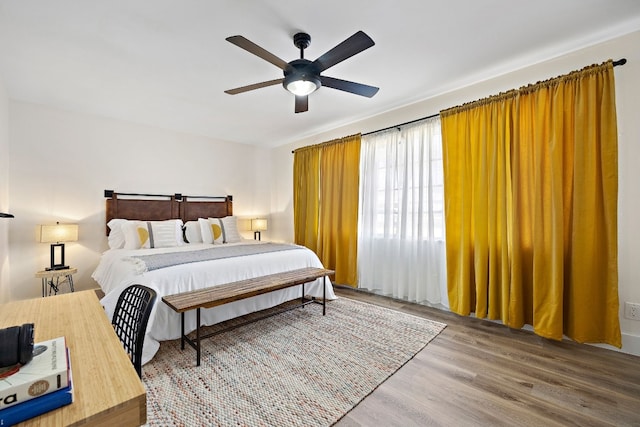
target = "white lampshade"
x: 259, y: 224
x: 302, y: 87
x: 58, y: 233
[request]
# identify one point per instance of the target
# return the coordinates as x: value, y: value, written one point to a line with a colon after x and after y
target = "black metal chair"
x: 130, y: 320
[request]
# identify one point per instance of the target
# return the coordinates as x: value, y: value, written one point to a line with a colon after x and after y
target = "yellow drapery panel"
x: 333, y: 201
x: 339, y: 193
x: 306, y: 193
x: 477, y: 203
x: 531, y: 207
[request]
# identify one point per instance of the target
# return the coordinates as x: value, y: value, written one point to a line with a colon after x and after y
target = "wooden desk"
x: 107, y: 390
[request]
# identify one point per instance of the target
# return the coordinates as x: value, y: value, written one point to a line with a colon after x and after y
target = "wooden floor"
x: 479, y: 373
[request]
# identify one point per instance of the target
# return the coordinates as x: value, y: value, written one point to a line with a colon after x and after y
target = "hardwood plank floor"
x: 480, y: 373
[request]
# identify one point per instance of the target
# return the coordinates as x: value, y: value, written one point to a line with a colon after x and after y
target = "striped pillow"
x: 153, y: 234
x: 220, y: 230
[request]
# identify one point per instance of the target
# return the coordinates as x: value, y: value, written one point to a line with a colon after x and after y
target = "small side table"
x: 53, y: 279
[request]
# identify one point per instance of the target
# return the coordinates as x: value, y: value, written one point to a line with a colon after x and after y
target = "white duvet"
x: 116, y: 271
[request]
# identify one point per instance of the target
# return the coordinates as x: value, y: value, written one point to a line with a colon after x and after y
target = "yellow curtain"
x: 531, y: 207
x: 326, y: 191
x: 339, y: 192
x: 477, y: 182
x: 306, y: 193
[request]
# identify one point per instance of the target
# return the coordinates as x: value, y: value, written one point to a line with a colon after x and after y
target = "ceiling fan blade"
x: 347, y: 86
x: 354, y: 44
x: 251, y: 47
x: 253, y: 86
x: 302, y: 103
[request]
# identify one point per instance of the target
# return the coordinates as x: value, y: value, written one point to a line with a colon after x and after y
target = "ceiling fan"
x: 301, y: 76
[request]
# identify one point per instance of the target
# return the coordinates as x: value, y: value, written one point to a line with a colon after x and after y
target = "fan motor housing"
x: 301, y: 69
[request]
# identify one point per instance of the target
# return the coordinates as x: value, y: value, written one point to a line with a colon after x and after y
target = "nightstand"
x: 53, y: 279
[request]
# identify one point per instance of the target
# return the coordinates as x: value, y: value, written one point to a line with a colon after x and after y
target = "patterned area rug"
x: 298, y: 368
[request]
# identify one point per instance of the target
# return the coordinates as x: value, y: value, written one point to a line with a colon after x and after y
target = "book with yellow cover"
x: 47, y: 372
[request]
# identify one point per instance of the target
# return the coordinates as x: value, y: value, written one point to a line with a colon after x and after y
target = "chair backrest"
x: 130, y: 320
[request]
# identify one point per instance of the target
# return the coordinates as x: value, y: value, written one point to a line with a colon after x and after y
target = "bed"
x: 167, y: 254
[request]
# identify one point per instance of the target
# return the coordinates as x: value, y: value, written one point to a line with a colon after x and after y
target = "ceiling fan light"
x: 302, y: 87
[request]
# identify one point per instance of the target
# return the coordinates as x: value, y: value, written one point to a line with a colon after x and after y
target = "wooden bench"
x: 235, y: 291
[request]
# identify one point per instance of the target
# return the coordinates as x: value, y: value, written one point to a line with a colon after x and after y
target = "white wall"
x: 628, y: 109
x: 4, y: 191
x: 62, y: 162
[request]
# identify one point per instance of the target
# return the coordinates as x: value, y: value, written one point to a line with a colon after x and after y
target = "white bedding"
x: 115, y: 272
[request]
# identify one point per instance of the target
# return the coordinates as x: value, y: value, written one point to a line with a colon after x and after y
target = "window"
x: 401, y: 228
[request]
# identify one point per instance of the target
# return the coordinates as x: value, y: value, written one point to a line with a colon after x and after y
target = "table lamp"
x: 258, y: 225
x: 56, y: 235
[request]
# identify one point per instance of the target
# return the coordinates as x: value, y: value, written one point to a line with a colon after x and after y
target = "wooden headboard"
x: 158, y: 207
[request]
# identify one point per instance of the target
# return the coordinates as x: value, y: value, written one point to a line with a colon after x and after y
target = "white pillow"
x: 205, y: 230
x: 211, y: 230
x: 153, y: 234
x: 230, y: 229
x: 116, y: 235
x: 192, y: 232
x: 136, y: 235
x: 165, y: 234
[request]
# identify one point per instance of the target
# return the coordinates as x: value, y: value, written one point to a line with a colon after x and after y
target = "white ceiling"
x: 166, y: 62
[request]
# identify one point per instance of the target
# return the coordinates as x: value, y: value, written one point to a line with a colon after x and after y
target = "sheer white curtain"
x: 401, y: 250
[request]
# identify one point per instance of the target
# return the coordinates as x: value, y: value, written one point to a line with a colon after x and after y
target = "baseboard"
x: 630, y: 344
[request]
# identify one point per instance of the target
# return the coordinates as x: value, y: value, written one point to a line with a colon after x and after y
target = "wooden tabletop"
x: 56, y: 273
x: 107, y: 390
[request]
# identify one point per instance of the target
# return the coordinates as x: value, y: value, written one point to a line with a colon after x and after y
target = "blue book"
x: 34, y: 407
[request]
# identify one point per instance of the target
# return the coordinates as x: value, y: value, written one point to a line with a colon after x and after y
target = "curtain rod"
x: 402, y: 124
x: 621, y: 61
x: 397, y: 126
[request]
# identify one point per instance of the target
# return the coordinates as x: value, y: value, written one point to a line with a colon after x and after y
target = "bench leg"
x: 324, y: 296
x: 185, y: 339
x: 182, y: 331
x: 302, y: 296
x: 198, y: 336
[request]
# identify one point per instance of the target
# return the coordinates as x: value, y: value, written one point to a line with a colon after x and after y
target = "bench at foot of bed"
x: 234, y: 291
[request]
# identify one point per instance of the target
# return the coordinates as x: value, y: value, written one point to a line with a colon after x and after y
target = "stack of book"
x: 40, y: 386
